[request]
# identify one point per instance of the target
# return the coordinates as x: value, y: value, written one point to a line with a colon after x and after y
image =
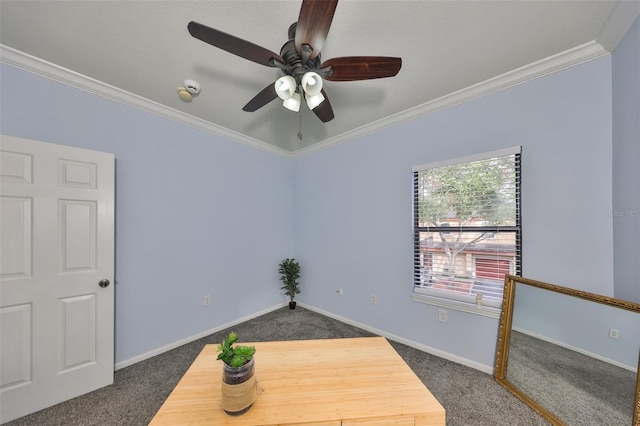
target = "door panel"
x: 78, y: 235
x: 15, y: 167
x: 15, y: 326
x: 15, y: 218
x: 57, y: 229
x: 78, y: 331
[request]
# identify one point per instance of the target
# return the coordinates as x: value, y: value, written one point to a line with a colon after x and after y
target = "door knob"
x: 103, y: 283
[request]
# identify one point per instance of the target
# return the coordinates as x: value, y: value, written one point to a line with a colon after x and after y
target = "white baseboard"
x: 158, y: 351
x: 445, y: 355
x: 448, y: 356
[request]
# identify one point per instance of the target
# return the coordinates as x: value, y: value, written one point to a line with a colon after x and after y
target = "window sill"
x: 486, y: 311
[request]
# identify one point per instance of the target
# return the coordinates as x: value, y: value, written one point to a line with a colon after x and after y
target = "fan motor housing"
x: 292, y: 58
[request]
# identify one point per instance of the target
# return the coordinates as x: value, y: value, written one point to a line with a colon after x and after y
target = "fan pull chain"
x: 299, y: 126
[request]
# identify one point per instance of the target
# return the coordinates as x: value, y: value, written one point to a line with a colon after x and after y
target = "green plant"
x: 234, y: 356
x: 289, y: 274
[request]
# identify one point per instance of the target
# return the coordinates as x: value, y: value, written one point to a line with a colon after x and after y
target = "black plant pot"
x: 292, y: 305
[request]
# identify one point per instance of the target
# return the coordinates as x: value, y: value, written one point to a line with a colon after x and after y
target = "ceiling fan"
x: 299, y: 60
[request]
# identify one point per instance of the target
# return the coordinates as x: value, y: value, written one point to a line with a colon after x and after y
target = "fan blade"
x: 261, y: 99
x: 324, y: 111
x: 352, y: 68
x: 233, y: 44
x: 313, y: 24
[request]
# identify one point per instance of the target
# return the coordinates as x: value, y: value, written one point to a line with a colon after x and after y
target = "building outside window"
x: 467, y: 232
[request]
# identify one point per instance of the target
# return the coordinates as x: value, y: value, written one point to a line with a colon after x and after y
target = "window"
x: 467, y: 232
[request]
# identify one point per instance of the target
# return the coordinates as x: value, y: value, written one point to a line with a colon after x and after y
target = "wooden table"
x: 361, y: 381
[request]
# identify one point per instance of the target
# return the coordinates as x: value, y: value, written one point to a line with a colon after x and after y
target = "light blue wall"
x: 194, y: 209
x: 353, y: 204
x: 626, y: 169
x: 578, y: 323
x: 195, y: 214
x: 583, y: 324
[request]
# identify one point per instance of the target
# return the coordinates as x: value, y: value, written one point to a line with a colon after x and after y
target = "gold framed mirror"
x: 571, y: 355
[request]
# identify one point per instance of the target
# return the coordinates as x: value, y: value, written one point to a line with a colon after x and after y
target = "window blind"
x: 467, y: 228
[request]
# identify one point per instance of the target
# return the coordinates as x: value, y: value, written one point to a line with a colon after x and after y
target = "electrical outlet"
x: 340, y: 291
x: 613, y: 333
x: 207, y: 300
x: 442, y: 315
x: 374, y: 300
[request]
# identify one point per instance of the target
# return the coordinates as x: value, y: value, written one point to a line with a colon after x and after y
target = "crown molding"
x: 558, y: 62
x: 622, y: 17
x: 63, y: 75
x: 569, y: 58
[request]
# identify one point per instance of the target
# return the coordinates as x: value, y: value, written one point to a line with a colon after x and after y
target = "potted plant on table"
x: 289, y: 273
x: 239, y: 384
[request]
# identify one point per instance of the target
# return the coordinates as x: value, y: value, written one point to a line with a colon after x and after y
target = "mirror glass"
x: 572, y: 356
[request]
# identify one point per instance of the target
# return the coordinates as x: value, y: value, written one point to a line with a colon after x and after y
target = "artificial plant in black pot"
x: 289, y: 273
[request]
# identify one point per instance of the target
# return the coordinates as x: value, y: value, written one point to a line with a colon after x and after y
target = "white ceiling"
x: 452, y: 51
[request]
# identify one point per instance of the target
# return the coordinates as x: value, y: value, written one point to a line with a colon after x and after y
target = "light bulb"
x: 314, y: 100
x: 285, y: 87
x: 293, y: 102
x: 311, y: 83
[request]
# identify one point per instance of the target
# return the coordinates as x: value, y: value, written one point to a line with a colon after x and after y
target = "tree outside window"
x: 467, y: 228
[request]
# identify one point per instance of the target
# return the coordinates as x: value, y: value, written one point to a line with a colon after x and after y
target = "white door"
x: 57, y: 245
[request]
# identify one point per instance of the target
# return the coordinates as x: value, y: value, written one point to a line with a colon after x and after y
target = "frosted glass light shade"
x: 293, y: 103
x: 314, y: 101
x: 285, y: 87
x: 311, y: 83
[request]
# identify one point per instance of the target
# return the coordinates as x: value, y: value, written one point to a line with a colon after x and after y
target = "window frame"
x: 453, y: 300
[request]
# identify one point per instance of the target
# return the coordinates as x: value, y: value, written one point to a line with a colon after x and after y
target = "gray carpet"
x: 470, y: 397
x: 578, y: 389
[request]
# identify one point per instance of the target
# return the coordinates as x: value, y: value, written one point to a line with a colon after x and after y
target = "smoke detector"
x: 190, y: 89
x: 192, y: 86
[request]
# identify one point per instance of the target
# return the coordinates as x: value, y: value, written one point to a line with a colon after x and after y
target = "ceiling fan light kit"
x: 299, y: 60
x: 287, y: 89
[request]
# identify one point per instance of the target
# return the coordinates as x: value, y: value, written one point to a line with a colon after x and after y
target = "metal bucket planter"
x: 239, y: 388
